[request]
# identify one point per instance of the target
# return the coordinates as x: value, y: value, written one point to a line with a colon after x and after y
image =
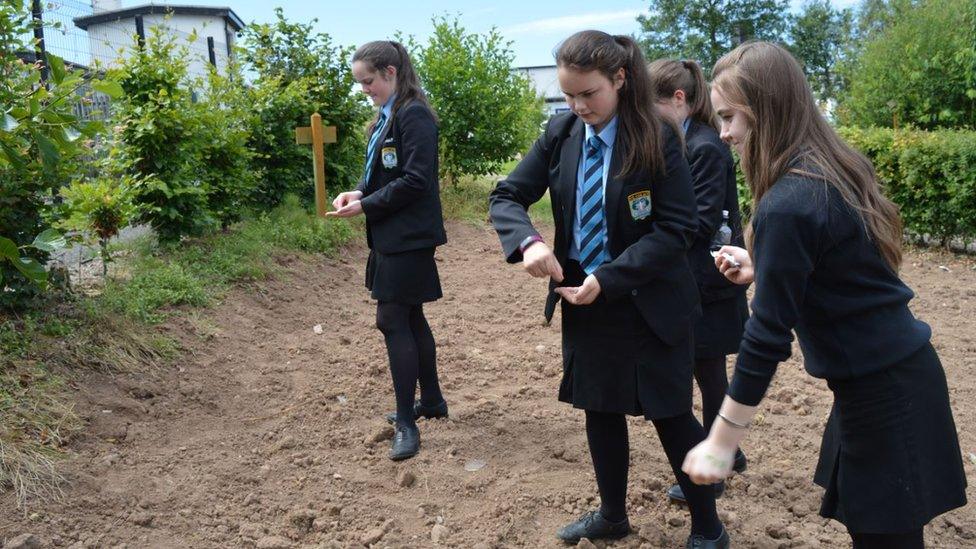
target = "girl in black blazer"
x: 682, y: 97
x: 400, y: 197
x: 624, y: 213
x: 824, y: 253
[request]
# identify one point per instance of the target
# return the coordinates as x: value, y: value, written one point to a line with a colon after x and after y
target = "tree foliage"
x: 488, y: 112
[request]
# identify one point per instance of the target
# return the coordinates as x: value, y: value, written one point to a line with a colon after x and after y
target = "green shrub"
x: 930, y: 175
x: 42, y: 144
x: 161, y: 138
x: 299, y: 73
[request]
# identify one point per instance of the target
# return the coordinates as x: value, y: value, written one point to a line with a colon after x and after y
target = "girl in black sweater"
x: 825, y: 246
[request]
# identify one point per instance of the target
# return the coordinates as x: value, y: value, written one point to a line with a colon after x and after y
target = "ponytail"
x: 670, y: 75
x: 637, y: 119
x: 381, y: 54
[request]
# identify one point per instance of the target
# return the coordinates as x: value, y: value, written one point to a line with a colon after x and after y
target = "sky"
x: 535, y: 27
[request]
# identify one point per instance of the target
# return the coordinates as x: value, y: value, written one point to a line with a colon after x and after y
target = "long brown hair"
x: 788, y: 133
x: 671, y: 75
x: 639, y: 123
x: 381, y: 54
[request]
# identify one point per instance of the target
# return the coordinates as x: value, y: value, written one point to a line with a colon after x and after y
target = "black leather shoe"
x: 406, y: 442
x: 739, y: 465
x: 419, y: 411
x: 592, y: 525
x: 676, y: 495
x: 698, y: 541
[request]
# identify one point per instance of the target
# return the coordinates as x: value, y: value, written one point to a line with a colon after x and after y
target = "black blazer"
x: 713, y: 177
x: 401, y: 200
x: 648, y: 257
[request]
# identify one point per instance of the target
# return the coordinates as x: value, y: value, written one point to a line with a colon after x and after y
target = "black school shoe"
x: 591, y: 526
x: 419, y: 411
x: 406, y: 442
x: 698, y: 541
x: 676, y: 495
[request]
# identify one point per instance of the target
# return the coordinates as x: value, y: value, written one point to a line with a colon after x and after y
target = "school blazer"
x: 713, y: 177
x: 649, y: 262
x: 402, y: 200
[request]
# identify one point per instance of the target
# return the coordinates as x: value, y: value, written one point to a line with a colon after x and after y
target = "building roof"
x: 152, y: 9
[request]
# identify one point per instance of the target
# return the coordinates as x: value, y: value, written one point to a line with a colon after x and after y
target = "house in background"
x: 111, y: 29
x: 546, y: 84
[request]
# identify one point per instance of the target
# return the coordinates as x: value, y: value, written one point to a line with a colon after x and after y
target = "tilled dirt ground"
x: 270, y: 435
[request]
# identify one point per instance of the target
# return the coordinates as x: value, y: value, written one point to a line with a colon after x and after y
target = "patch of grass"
x: 195, y: 272
x: 468, y: 201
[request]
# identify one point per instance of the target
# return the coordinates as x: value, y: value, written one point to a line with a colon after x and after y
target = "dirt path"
x: 265, y: 435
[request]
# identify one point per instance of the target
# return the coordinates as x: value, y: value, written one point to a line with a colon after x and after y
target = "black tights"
x: 713, y: 383
x: 908, y: 540
x: 413, y: 356
x: 610, y: 451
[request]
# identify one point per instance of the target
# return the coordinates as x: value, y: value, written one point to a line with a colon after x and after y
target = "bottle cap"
x: 725, y: 213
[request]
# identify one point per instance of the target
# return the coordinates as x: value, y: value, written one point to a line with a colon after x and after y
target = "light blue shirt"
x: 387, y: 108
x: 685, y: 124
x: 608, y: 136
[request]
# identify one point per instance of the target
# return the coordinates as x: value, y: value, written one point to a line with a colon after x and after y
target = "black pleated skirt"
x: 408, y: 277
x: 718, y: 331
x: 614, y: 363
x: 890, y: 460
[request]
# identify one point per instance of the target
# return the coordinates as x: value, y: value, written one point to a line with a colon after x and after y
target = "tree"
x: 818, y: 37
x: 919, y: 70
x: 488, y: 112
x: 704, y: 30
x: 299, y: 73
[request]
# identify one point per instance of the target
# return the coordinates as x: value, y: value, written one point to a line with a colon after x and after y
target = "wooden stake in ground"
x: 317, y: 135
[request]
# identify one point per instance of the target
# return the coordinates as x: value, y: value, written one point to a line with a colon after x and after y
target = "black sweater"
x: 818, y: 272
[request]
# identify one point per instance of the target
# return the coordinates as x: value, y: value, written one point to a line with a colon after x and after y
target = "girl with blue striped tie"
x: 400, y: 196
x: 625, y: 216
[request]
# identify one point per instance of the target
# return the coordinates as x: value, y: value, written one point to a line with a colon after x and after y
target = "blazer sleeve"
x: 709, y: 166
x: 511, y: 198
x: 674, y: 222
x: 785, y: 248
x: 418, y: 140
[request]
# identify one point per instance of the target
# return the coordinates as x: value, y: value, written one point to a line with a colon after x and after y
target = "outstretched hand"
x: 347, y: 204
x: 583, y: 294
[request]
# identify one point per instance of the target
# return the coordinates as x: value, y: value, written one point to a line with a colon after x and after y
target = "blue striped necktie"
x: 591, y: 249
x: 371, y: 148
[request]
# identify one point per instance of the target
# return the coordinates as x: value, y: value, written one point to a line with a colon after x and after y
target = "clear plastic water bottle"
x: 723, y: 236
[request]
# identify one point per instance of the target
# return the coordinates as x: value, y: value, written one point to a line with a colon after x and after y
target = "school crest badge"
x: 389, y: 157
x: 640, y: 205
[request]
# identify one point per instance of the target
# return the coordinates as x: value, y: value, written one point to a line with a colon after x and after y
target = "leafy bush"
x: 930, y: 175
x: 920, y: 70
x: 488, y: 112
x: 300, y: 73
x: 41, y: 145
x: 160, y: 139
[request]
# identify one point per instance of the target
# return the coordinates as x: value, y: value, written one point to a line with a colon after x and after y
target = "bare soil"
x: 270, y: 435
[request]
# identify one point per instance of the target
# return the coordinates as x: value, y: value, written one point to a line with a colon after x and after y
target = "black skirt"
x: 890, y: 459
x: 614, y: 363
x: 718, y: 332
x: 409, y: 277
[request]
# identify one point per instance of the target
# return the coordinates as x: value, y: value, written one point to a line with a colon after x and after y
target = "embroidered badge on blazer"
x: 640, y: 205
x: 389, y: 156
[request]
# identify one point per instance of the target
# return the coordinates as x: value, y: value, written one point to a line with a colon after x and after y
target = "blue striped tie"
x: 371, y: 148
x: 591, y: 249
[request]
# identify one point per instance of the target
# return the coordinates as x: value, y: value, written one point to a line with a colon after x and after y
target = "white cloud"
x: 569, y: 23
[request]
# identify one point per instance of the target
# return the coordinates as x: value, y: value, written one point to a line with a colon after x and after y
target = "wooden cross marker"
x: 317, y: 135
